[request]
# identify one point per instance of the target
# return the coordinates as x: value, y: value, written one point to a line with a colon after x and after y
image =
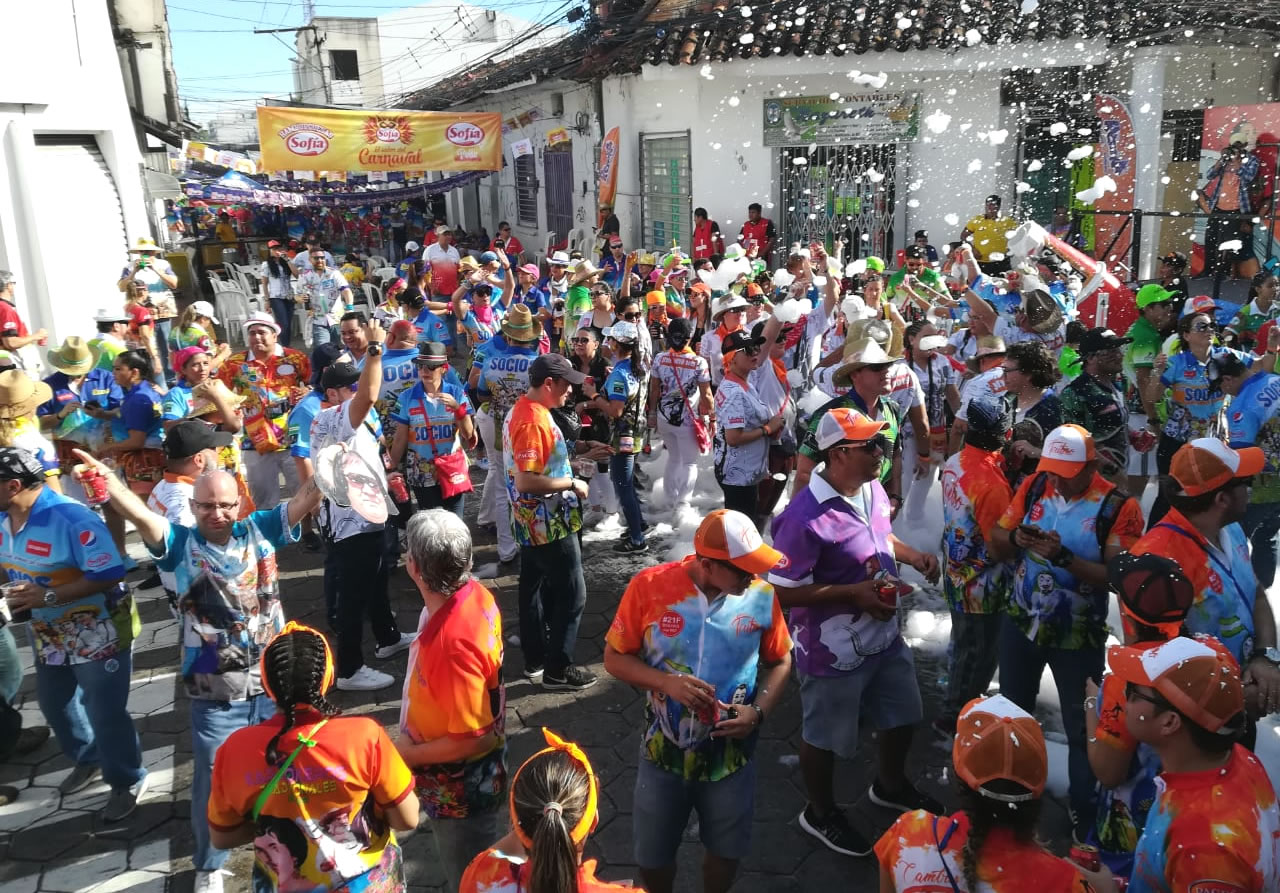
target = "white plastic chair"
x: 386, y: 274
x: 232, y: 307
x: 372, y: 294
x: 375, y: 262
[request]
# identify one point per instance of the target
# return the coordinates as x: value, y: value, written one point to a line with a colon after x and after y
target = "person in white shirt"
x: 276, y: 274
x: 939, y: 384
x: 330, y: 297
x: 303, y: 261
x: 987, y: 384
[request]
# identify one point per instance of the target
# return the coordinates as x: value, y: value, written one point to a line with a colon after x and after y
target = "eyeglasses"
x: 1203, y: 327
x: 581, y: 340
x: 1131, y: 693
x: 632, y: 317
x: 215, y: 506
x: 1008, y: 369
x: 317, y: 257
x: 752, y: 350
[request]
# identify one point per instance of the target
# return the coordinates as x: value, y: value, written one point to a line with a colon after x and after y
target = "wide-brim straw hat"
x: 73, y: 358
x: 519, y: 324
x: 201, y: 406
x: 20, y: 394
x: 583, y: 271
x: 858, y: 355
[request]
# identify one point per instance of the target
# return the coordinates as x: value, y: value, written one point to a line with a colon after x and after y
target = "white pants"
x: 494, y: 496
x: 682, y: 461
x: 484, y: 424
x: 915, y: 492
x: 263, y: 470
x: 600, y: 494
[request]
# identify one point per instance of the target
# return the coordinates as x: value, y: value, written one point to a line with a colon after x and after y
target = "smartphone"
x: 1033, y: 532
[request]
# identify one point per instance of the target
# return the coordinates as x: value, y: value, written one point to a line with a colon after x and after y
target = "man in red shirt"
x: 757, y: 233
x: 13, y: 331
x: 707, y: 241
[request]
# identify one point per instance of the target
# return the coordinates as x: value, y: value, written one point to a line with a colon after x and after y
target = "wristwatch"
x: 375, y: 349
x: 1271, y: 654
x: 50, y: 598
x: 1064, y: 557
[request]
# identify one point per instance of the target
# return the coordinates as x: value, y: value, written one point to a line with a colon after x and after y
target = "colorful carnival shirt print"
x: 1194, y: 406
x: 738, y: 405
x: 1250, y: 319
x: 531, y: 441
x: 399, y: 373
x: 830, y: 538
x: 320, y: 828
x: 1049, y: 604
x: 504, y: 375
x: 1216, y: 831
x: 680, y: 373
x: 1222, y: 574
x: 270, y: 387
x: 1253, y: 419
x: 453, y: 689
x: 494, y: 871
x: 975, y: 493
x: 433, y: 430
x: 909, y: 852
x: 626, y: 433
x: 1099, y: 407
x: 666, y: 621
x: 226, y: 624
x: 63, y: 541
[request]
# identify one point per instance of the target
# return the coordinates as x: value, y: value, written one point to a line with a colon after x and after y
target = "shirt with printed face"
x: 1253, y: 419
x: 739, y: 406
x: 1213, y: 830
x: 363, y: 474
x: 670, y: 624
x: 433, y: 429
x: 61, y: 542
x: 321, y: 827
x: 226, y: 625
x: 831, y: 538
x: 680, y: 373
x: 1193, y: 404
x: 1049, y: 604
x: 453, y: 689
x: 531, y: 441
x: 975, y: 493
x: 271, y: 388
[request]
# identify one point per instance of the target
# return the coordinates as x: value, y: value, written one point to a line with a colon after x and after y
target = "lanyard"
x: 1226, y: 571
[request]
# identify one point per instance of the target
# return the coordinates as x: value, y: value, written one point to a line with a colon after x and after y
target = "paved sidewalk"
x: 52, y: 843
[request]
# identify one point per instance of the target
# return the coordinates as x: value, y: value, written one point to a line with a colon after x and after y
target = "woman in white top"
x: 940, y: 384
x: 744, y: 426
x: 601, y: 315
x: 679, y: 390
x: 276, y: 274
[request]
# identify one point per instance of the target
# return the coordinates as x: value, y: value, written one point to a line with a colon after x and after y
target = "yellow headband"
x: 575, y: 753
x: 291, y: 627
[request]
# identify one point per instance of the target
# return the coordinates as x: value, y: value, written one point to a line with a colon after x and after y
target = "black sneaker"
x: 835, y: 833
x: 150, y: 582
x: 645, y: 529
x: 907, y: 799
x: 627, y: 547
x: 574, y: 679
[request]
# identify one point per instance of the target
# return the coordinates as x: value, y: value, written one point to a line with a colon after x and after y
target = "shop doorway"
x: 557, y: 168
x: 840, y: 194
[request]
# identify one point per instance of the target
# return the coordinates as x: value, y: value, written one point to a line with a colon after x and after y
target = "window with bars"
x: 527, y: 190
x: 1185, y: 127
x: 666, y: 208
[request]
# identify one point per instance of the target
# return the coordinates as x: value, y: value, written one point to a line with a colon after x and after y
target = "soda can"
x: 1086, y: 856
x: 94, y: 484
x: 396, y: 487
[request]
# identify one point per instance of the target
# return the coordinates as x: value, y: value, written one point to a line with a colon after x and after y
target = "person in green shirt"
x: 1069, y: 356
x: 578, y: 300
x: 113, y: 325
x: 1156, y: 320
x: 915, y: 290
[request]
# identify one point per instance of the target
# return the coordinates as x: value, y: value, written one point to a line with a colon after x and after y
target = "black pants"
x: 362, y: 591
x: 1219, y: 229
x: 432, y: 498
x: 745, y: 499
x: 552, y: 596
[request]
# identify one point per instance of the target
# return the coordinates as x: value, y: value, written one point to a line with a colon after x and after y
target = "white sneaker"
x: 366, y: 679
x: 208, y: 881
x: 384, y: 651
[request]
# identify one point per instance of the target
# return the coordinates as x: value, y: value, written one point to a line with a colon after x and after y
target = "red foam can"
x: 1086, y: 856
x: 397, y: 488
x: 94, y: 484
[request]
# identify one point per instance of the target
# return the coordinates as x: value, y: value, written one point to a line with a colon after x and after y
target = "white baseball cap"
x: 623, y: 331
x: 411, y: 246
x: 204, y: 308
x: 262, y: 319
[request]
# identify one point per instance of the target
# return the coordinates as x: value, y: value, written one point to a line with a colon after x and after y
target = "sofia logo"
x: 306, y: 139
x: 1214, y: 887
x: 388, y: 130
x: 670, y: 624
x: 464, y: 134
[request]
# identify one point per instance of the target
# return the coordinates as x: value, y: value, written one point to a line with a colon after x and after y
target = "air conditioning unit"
x: 490, y: 15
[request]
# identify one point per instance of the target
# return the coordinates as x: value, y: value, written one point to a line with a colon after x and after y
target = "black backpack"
x: 1107, y: 512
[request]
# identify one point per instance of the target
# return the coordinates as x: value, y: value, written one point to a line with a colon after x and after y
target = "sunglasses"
x: 878, y: 444
x: 1203, y: 327
x: 581, y: 340
x: 632, y: 317
x: 361, y: 480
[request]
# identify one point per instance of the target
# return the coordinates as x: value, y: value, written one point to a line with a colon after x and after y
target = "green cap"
x: 875, y: 264
x: 1153, y: 293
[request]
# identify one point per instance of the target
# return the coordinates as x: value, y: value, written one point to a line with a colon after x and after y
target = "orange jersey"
x: 318, y: 829
x: 909, y: 852
x: 494, y: 871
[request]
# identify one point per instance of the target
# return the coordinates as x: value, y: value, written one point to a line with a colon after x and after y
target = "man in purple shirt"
x: 849, y: 654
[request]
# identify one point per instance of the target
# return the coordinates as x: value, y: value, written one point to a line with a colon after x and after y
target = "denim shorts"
x: 663, y: 801
x: 884, y: 688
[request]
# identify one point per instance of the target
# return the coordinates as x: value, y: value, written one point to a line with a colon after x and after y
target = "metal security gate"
x: 557, y: 172
x: 666, y: 190
x: 840, y: 193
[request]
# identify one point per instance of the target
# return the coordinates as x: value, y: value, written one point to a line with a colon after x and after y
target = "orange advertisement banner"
x: 607, y: 183
x: 365, y: 140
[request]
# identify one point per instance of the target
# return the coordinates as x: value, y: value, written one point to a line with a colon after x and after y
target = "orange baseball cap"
x: 655, y: 298
x: 846, y: 425
x: 1205, y: 464
x: 1066, y: 450
x: 753, y: 290
x: 1197, y: 680
x: 731, y: 536
x: 700, y: 287
x: 996, y: 740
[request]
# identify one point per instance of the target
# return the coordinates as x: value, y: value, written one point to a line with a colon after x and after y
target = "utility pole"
x: 318, y: 42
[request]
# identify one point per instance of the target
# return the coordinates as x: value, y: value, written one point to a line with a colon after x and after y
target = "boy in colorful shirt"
x: 1215, y: 824
x: 708, y: 643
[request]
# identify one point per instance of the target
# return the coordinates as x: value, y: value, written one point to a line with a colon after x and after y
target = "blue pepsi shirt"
x: 61, y: 542
x: 432, y: 327
x: 177, y: 403
x: 1253, y: 419
x: 535, y: 299
x: 300, y: 419
x: 98, y: 387
x: 504, y: 374
x: 1194, y: 408
x: 140, y: 411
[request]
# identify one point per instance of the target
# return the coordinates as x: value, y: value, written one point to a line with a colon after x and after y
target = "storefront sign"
x: 363, y: 140
x: 557, y: 136
x: 521, y: 147
x: 854, y: 118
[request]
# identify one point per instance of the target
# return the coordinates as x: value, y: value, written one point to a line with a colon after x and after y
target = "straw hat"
x: 144, y: 243
x: 583, y: 271
x: 468, y: 264
x: 519, y: 325
x: 73, y: 358
x: 858, y: 355
x: 20, y: 394
x: 203, y: 406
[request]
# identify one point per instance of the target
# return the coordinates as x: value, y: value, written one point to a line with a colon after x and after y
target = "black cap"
x: 1151, y: 587
x: 553, y: 365
x: 922, y: 234
x: 679, y: 331
x: 1099, y: 339
x: 20, y: 465
x: 189, y: 437
x: 431, y: 353
x: 339, y: 375
x: 321, y: 357
x: 738, y: 340
x: 914, y: 252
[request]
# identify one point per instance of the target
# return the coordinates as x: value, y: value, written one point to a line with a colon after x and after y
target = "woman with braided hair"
x: 553, y: 805
x: 335, y: 781
x: 989, y: 845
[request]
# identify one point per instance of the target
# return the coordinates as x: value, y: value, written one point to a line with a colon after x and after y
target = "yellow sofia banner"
x: 365, y: 140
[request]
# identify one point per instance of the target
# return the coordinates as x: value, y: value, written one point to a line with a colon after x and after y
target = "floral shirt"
x: 975, y: 493
x: 1193, y: 407
x: 271, y: 388
x: 531, y: 441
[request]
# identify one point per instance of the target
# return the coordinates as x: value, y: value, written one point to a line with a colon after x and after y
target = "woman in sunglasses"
x: 601, y: 315
x: 1184, y: 383
x: 744, y: 426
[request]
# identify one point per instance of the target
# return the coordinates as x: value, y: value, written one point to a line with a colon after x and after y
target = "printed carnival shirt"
x: 1193, y: 408
x: 1140, y: 353
x: 975, y: 494
x: 494, y: 871
x: 504, y: 375
x: 666, y: 621
x: 320, y: 828
x: 62, y: 542
x: 626, y: 431
x: 1253, y: 419
x: 531, y: 441
x: 271, y: 388
x: 739, y: 406
x: 433, y: 430
x: 679, y: 373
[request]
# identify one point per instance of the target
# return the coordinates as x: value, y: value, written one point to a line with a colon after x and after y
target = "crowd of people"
x: 840, y: 392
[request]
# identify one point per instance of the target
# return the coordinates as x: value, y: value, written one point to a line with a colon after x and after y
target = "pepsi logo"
x: 1037, y: 512
x: 87, y: 538
x: 464, y: 134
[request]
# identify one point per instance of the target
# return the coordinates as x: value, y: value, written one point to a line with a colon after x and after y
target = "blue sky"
x: 222, y: 64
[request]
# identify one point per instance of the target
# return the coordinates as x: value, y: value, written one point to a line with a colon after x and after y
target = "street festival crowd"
x: 852, y: 389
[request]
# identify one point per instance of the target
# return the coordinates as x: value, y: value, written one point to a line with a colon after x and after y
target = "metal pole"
x: 1135, y: 244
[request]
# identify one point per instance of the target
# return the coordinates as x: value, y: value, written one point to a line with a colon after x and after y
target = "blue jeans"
x: 87, y: 707
x: 1261, y: 524
x: 1022, y: 663
x: 211, y: 723
x: 622, y: 473
x: 663, y: 801
x: 163, y: 327
x: 282, y: 310
x: 321, y: 334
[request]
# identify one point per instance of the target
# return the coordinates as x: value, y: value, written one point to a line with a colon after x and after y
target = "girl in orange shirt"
x: 553, y: 802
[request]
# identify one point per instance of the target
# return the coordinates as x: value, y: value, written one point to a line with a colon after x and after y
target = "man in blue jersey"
x: 62, y: 567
